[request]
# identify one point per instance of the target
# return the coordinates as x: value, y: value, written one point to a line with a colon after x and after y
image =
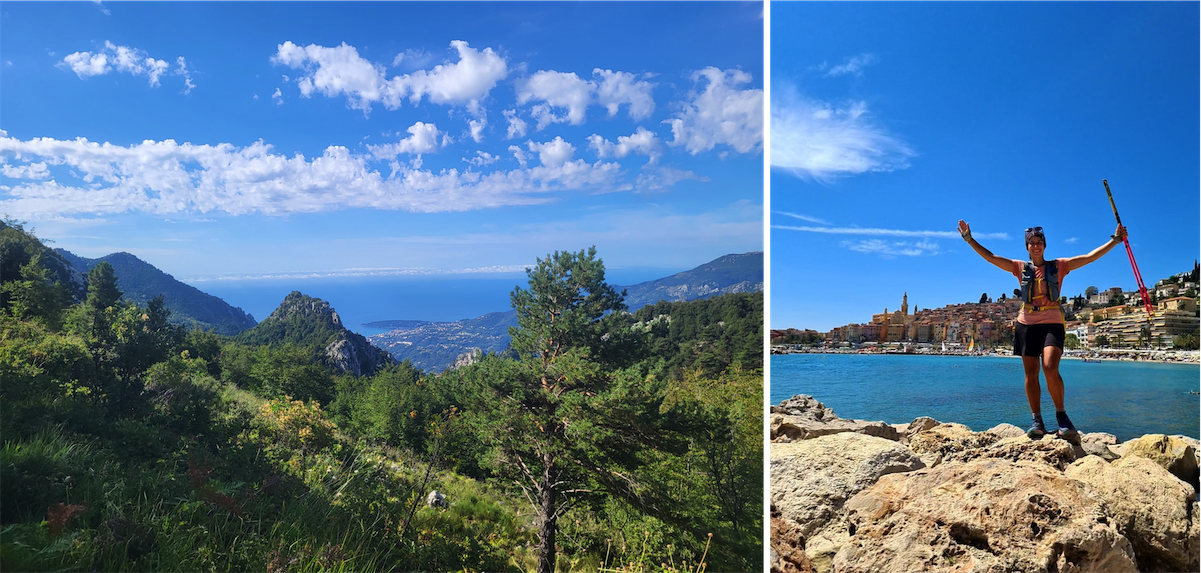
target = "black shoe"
x: 1036, y: 431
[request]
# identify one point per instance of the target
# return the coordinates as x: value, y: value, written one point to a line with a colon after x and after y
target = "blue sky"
x: 891, y: 121
x: 242, y: 140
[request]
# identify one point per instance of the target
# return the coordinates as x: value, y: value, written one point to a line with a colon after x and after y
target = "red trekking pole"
x: 1138, y: 277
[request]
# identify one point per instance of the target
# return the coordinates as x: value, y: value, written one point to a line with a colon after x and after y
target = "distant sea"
x: 358, y: 300
x: 1126, y: 399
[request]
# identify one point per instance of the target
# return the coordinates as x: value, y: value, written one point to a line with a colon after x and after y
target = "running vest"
x: 1051, y: 275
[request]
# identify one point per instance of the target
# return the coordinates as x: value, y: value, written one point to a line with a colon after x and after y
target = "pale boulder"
x: 945, y: 439
x: 990, y: 515
x: 1172, y: 453
x: 812, y: 479
x: 1150, y: 506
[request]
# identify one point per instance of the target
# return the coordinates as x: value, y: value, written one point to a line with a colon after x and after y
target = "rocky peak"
x: 305, y: 307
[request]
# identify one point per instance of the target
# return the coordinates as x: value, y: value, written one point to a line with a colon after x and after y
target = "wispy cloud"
x: 165, y: 177
x: 803, y: 217
x: 853, y: 65
x: 889, y: 232
x: 889, y: 249
x: 823, y: 141
x: 124, y: 59
x: 1071, y: 240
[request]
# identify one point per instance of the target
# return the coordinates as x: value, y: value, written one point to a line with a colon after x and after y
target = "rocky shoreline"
x: 858, y: 496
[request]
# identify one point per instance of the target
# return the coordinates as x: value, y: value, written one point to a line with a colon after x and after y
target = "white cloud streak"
x: 853, y: 65
x: 806, y: 218
x: 721, y: 114
x: 124, y: 59
x: 889, y: 232
x: 890, y: 249
x: 340, y: 70
x: 820, y: 141
x: 164, y: 177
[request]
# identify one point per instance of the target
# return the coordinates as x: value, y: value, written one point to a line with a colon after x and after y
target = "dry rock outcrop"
x: 941, y: 497
x: 802, y: 418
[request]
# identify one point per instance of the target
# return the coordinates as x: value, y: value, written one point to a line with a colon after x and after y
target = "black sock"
x: 1038, y: 420
x: 1062, y: 419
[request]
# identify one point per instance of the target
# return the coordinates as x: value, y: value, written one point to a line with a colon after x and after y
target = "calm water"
x: 1126, y: 399
x: 360, y: 300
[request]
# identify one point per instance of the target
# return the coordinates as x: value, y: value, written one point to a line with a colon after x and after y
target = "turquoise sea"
x: 1127, y: 399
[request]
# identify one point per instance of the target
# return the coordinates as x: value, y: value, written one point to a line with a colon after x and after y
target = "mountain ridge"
x: 142, y: 281
x: 435, y: 346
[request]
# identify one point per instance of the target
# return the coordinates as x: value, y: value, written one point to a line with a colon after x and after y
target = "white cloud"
x: 890, y: 249
x: 1071, y: 240
x: 558, y: 90
x: 889, y: 232
x: 124, y: 59
x: 820, y: 141
x: 553, y: 153
x: 517, y: 125
x: 803, y: 217
x: 482, y: 158
x: 618, y: 88
x: 853, y: 65
x: 642, y: 142
x: 664, y: 177
x: 423, y: 138
x: 565, y: 96
x: 86, y: 64
x: 342, y: 71
x: 721, y: 114
x: 519, y: 155
x: 477, y: 129
x: 278, y: 97
x: 31, y: 171
x: 181, y: 69
x: 164, y: 177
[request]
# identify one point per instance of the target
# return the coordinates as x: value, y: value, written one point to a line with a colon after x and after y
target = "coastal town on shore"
x: 1103, y: 325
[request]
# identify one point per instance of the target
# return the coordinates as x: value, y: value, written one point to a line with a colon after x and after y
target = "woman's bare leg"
x: 1033, y: 391
x: 1051, y: 356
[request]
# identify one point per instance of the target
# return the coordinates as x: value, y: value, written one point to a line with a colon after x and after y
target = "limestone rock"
x: 945, y: 439
x: 1171, y: 453
x: 990, y: 515
x: 788, y: 548
x: 1150, y: 506
x: 805, y: 406
x: 1099, y: 437
x: 1006, y: 431
x: 1053, y: 452
x: 917, y: 426
x: 792, y: 428
x: 811, y: 479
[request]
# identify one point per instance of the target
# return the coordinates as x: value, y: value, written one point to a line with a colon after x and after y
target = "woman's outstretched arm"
x: 1001, y: 262
x: 1077, y: 262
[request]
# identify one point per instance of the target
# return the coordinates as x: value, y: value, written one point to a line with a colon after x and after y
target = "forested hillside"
x: 190, y: 307
x: 602, y: 440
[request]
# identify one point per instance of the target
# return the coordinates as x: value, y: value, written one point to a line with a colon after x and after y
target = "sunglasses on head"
x: 1033, y: 230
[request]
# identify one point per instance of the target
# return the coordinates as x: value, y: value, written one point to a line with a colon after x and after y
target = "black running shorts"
x: 1031, y: 339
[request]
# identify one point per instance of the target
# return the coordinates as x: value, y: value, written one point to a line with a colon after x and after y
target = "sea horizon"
x: 362, y: 299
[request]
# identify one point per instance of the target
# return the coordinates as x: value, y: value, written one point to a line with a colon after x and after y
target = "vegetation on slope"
x: 190, y: 307
x: 130, y: 444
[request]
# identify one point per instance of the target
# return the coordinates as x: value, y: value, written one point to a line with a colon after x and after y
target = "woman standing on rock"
x: 1039, y: 334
